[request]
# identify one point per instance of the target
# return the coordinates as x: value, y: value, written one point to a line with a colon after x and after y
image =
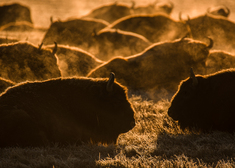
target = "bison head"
x: 184, y: 103
x: 116, y: 115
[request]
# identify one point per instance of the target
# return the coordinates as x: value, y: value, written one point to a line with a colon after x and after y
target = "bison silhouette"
x: 24, y: 61
x: 160, y: 66
x: 205, y: 103
x: 64, y: 111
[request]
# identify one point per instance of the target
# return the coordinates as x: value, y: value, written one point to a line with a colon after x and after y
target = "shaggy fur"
x: 23, y: 61
x: 74, y: 61
x: 110, y: 12
x: 77, y: 32
x: 207, y: 106
x: 164, y: 7
x: 219, y: 60
x: 156, y: 28
x: 14, y: 13
x: 64, y: 110
x: 109, y: 43
x: 219, y: 28
x: 162, y: 65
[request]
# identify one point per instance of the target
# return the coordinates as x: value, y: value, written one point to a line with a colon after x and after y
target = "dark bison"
x: 78, y: 32
x: 23, y: 61
x: 64, y: 111
x: 113, y: 42
x: 219, y: 11
x: 220, y: 29
x: 164, y: 7
x: 15, y: 17
x: 110, y: 12
x: 156, y: 28
x: 5, y: 83
x: 160, y: 66
x: 74, y: 61
x: 219, y: 60
x: 205, y: 103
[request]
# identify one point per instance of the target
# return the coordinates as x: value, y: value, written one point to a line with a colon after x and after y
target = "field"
x: 155, y: 141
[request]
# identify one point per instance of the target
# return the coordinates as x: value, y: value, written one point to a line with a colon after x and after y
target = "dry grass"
x: 156, y: 141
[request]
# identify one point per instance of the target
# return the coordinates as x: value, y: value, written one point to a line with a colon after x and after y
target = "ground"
x: 155, y: 141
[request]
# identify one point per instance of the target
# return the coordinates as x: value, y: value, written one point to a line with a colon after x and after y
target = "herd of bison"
x: 74, y: 86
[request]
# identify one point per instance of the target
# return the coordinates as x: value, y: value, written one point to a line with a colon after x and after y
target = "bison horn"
x: 133, y: 5
x: 211, y: 43
x: 192, y: 76
x: 185, y: 36
x: 184, y: 21
x: 55, y: 48
x: 228, y: 11
x: 180, y: 16
x: 208, y: 10
x: 51, y: 19
x: 94, y: 32
x: 172, y: 5
x: 109, y: 86
x: 40, y: 46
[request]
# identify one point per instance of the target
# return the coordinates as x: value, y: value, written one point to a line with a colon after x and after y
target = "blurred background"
x: 42, y: 10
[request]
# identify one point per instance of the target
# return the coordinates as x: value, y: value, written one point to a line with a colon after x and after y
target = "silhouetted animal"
x: 205, y: 103
x: 64, y: 111
x: 74, y: 61
x: 219, y: 10
x: 219, y: 60
x: 164, y: 7
x: 162, y: 65
x: 23, y: 61
x: 112, y: 42
x: 78, y: 32
x: 156, y: 28
x: 110, y: 12
x: 220, y: 29
x: 15, y: 17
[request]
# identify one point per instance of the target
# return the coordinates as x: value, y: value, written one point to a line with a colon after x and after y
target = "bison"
x: 155, y: 27
x: 64, y: 111
x: 15, y: 17
x: 113, y: 42
x: 205, y: 103
x: 219, y: 11
x: 220, y: 29
x: 23, y: 61
x: 160, y: 66
x: 219, y: 60
x: 110, y: 12
x: 164, y: 7
x: 77, y: 32
x: 74, y: 61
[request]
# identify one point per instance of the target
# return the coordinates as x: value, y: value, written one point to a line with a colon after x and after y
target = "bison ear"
x: 109, y: 86
x: 192, y: 76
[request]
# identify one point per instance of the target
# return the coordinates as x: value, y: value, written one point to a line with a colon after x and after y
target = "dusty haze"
x: 42, y: 10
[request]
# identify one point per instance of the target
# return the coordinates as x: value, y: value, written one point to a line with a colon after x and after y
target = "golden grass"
x: 155, y: 141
